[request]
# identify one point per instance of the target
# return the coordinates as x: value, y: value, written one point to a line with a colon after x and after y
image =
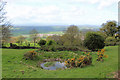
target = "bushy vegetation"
x: 62, y: 48
x: 110, y: 41
x: 109, y: 28
x: 50, y: 42
x: 13, y: 45
x: 42, y: 42
x: 101, y: 55
x: 17, y: 46
x: 94, y: 41
x: 30, y: 55
x: 72, y: 36
x: 82, y: 61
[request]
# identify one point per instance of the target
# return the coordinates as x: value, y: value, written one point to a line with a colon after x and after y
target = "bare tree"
x: 5, y: 26
x: 2, y: 12
x: 6, y: 33
x: 21, y: 39
x: 34, y: 35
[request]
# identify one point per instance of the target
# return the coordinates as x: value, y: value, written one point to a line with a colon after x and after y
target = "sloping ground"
x: 14, y: 67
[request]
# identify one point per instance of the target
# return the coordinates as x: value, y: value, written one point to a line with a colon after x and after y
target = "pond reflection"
x: 57, y: 65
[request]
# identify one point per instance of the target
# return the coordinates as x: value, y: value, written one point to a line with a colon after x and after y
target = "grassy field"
x: 13, y: 65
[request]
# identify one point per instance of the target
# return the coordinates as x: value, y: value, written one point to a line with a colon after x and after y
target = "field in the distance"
x: 12, y: 67
x: 24, y: 30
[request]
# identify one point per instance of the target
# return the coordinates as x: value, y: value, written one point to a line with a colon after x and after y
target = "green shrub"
x: 94, y: 41
x: 42, y: 42
x: 110, y: 41
x: 48, y: 48
x: 50, y: 42
x: 118, y: 43
x: 30, y: 55
x: 44, y: 48
x: 62, y: 48
x: 52, y: 48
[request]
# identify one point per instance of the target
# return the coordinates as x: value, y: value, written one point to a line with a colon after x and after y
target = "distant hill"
x: 24, y: 30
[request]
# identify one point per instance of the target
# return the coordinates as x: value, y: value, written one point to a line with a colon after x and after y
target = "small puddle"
x: 57, y: 65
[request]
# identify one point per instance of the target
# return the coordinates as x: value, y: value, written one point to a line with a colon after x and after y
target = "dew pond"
x: 53, y: 65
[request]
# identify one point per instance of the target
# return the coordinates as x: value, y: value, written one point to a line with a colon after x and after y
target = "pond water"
x: 57, y: 65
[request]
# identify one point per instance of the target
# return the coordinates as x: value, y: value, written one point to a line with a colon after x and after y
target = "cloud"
x: 59, y: 11
x: 107, y: 3
x: 101, y: 3
x: 28, y: 12
x: 43, y: 14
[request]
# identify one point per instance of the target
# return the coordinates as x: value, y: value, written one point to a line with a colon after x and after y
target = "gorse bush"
x: 30, y: 55
x: 79, y: 62
x: 101, y: 55
x: 94, y: 41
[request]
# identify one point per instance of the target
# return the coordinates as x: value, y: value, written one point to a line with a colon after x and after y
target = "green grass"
x: 13, y: 64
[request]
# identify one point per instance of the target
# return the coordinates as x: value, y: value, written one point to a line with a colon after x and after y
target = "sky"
x: 61, y: 12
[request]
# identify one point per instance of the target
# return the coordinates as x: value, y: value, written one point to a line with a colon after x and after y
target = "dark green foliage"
x: 13, y: 46
x: 62, y: 48
x: 42, y: 42
x: 50, y: 42
x: 94, y: 41
x: 68, y: 48
x: 110, y: 41
x: 48, y: 48
x: 53, y: 48
x: 28, y: 45
x: 44, y: 48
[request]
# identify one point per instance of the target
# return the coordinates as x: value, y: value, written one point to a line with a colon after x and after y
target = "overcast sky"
x: 61, y: 12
